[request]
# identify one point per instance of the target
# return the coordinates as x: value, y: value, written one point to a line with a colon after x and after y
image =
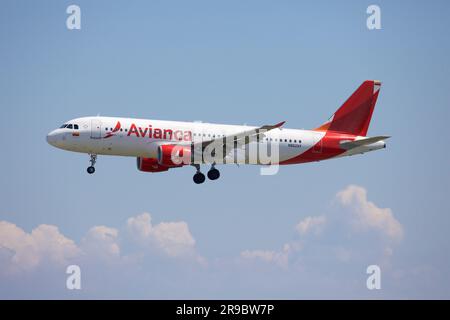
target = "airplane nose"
x: 51, y: 138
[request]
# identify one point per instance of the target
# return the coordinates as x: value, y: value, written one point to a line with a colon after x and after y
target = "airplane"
x: 162, y: 145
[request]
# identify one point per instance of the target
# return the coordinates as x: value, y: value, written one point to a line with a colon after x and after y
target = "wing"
x: 227, y: 143
x: 243, y: 137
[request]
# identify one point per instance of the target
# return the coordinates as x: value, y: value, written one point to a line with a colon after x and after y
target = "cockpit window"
x: 69, y: 126
x: 63, y: 126
x: 75, y: 126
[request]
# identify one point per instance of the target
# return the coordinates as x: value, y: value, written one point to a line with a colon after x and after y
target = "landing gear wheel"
x: 213, y: 174
x: 93, y: 160
x: 199, y: 178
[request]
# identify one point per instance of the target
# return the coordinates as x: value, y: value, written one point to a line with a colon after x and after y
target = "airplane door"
x: 96, y: 129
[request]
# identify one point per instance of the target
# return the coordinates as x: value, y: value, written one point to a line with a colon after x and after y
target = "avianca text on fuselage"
x: 157, y: 145
x: 159, y: 133
x: 151, y: 132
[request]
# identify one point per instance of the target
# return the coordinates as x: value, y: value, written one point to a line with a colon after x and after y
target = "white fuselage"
x: 141, y: 137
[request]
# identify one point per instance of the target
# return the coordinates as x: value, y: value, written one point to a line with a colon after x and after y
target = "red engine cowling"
x: 150, y: 165
x: 172, y: 155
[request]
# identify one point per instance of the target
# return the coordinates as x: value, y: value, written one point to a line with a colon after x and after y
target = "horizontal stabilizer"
x: 347, y: 145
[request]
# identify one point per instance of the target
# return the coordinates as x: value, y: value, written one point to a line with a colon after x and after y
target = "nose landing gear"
x: 91, y: 168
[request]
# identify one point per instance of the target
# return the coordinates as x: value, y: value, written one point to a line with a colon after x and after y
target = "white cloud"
x: 280, y: 258
x: 300, y: 258
x: 364, y: 215
x: 22, y: 251
x: 26, y: 251
x: 172, y: 238
x: 367, y: 215
x: 311, y: 225
x: 101, y: 240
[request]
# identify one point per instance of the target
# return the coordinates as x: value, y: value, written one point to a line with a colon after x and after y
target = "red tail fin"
x: 353, y: 117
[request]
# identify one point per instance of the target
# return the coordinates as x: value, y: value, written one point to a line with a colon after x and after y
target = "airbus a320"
x: 162, y: 145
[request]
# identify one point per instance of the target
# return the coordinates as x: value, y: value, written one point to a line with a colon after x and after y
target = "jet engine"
x: 172, y: 155
x: 150, y: 165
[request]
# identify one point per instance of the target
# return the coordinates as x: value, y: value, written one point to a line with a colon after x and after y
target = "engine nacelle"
x: 150, y: 165
x: 172, y: 155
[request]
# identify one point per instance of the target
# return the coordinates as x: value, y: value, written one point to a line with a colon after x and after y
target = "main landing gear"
x: 213, y: 174
x: 91, y: 168
x: 198, y: 176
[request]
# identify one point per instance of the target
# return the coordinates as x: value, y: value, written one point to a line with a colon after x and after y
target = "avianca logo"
x: 152, y: 133
x: 113, y: 132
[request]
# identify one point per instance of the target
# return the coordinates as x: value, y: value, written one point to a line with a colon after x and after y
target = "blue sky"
x: 236, y: 62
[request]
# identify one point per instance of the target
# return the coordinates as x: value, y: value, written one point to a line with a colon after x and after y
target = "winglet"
x: 278, y: 125
x: 271, y: 127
